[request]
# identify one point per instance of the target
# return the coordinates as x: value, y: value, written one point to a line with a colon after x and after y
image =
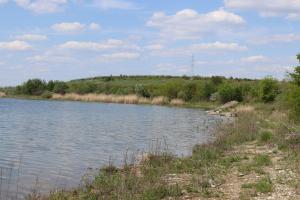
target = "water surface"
x: 55, y: 142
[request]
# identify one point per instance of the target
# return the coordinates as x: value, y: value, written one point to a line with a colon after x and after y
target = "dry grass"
x: 159, y: 100
x: 177, y: 102
x: 125, y: 99
x: 2, y: 94
x: 245, y: 109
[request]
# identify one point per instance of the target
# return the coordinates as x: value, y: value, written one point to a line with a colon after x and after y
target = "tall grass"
x: 108, y: 98
x: 2, y: 94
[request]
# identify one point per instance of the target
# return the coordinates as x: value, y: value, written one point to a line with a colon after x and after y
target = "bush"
x: 204, y: 90
x: 266, y: 136
x: 171, y: 89
x: 46, y: 95
x: 60, y: 87
x: 82, y: 87
x: 32, y: 87
x: 217, y: 80
x: 292, y: 101
x: 268, y: 89
x: 229, y: 92
x: 141, y: 91
x: 188, y: 92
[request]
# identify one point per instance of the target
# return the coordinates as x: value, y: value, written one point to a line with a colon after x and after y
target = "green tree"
x: 33, y: 87
x: 188, y: 91
x: 268, y: 89
x: 295, y: 76
x: 60, y: 87
x: 140, y: 90
x: 229, y: 92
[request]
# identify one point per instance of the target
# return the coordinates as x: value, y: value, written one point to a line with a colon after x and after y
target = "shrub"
x: 204, y: 90
x: 141, y: 91
x: 32, y: 87
x: 171, y: 89
x: 188, y: 92
x: 291, y: 95
x: 46, y: 95
x: 268, y: 89
x: 229, y: 92
x: 217, y: 80
x: 292, y: 101
x: 60, y: 87
x: 266, y: 136
x: 82, y: 87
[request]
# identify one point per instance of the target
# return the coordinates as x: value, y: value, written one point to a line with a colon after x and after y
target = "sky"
x: 69, y: 39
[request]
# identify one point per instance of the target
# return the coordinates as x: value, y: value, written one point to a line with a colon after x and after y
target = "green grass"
x: 264, y: 185
x: 266, y: 136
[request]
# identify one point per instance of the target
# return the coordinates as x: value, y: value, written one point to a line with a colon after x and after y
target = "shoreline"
x: 248, y: 159
x: 122, y: 99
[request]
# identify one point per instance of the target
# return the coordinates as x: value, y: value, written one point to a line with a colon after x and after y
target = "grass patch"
x: 261, y: 160
x: 264, y: 185
x: 266, y: 136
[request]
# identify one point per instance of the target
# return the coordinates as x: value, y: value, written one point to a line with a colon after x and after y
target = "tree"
x: 60, y: 87
x: 269, y: 89
x: 140, y: 90
x: 229, y: 92
x: 295, y: 76
x: 33, y: 87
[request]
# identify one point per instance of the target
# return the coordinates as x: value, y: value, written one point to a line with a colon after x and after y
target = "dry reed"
x: 2, y: 94
x: 177, y: 102
x: 108, y: 98
x: 161, y: 100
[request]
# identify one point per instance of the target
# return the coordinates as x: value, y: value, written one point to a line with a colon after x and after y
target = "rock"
x: 231, y: 104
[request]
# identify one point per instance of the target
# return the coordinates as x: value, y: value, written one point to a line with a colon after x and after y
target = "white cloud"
x: 254, y: 59
x: 15, y: 45
x: 284, y: 38
x: 119, y: 56
x: 188, y: 24
x: 154, y: 47
x: 98, y: 46
x: 94, y: 26
x: 31, y: 37
x: 215, y: 47
x: 51, y: 57
x: 115, y: 4
x: 3, y: 1
x: 69, y: 27
x: 74, y: 27
x: 288, y: 8
x: 42, y: 6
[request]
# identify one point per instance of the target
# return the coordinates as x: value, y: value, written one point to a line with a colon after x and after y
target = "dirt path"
x: 236, y: 180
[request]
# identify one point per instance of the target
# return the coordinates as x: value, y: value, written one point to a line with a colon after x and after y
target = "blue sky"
x: 68, y: 39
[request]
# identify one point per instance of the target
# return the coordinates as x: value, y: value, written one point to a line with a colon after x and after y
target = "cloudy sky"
x: 68, y: 39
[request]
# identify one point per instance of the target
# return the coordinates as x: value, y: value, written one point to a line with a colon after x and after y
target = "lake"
x: 54, y: 143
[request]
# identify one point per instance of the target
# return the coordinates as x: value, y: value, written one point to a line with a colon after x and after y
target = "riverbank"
x: 254, y: 157
x: 120, y: 99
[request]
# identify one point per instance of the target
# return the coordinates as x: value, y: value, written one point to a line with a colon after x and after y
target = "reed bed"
x: 177, y: 102
x: 108, y: 98
x: 161, y: 100
x: 2, y: 94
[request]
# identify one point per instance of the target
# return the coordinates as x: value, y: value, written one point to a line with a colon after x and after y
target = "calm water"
x: 56, y: 142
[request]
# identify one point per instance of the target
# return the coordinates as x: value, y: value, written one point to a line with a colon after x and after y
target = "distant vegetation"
x: 189, y: 89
